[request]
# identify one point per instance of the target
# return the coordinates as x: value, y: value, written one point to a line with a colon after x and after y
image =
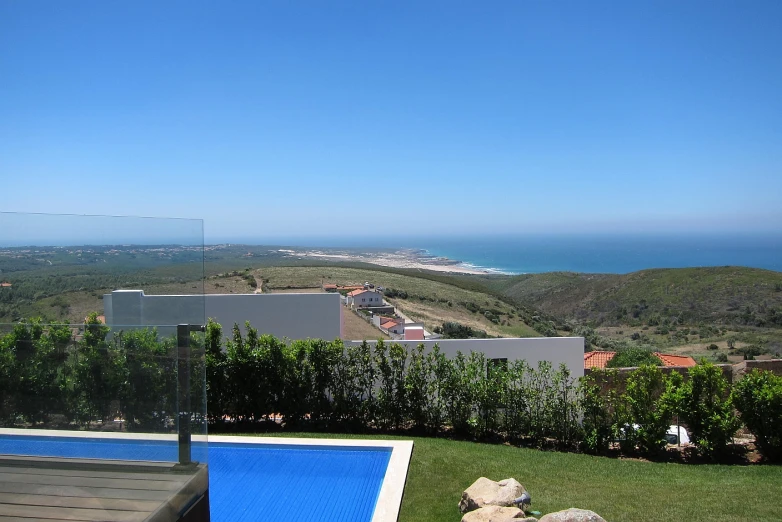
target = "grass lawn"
x: 618, y: 490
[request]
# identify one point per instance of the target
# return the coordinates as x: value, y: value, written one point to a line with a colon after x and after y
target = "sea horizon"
x: 594, y: 253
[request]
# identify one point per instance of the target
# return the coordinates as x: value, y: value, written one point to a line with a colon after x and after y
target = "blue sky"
x: 281, y: 119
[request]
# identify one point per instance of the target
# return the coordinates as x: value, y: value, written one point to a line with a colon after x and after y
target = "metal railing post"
x: 183, y: 395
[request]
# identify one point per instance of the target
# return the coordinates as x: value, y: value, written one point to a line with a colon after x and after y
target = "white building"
x: 556, y: 350
x: 364, y: 298
x: 292, y: 316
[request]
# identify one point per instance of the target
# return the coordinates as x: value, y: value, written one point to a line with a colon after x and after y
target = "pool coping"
x: 389, y: 500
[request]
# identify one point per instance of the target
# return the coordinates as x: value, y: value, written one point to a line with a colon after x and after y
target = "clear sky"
x: 305, y: 119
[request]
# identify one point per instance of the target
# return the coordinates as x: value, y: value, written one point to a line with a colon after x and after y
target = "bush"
x: 630, y: 357
x: 598, y: 409
x: 758, y: 398
x: 707, y: 409
x: 712, y: 346
x: 645, y: 417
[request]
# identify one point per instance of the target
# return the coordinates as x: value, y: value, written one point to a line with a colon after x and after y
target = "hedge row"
x: 254, y: 381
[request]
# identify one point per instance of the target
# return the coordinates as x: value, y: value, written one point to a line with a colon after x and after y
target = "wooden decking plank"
x: 130, y: 473
x: 96, y: 515
x: 26, y: 519
x: 73, y: 463
x: 70, y: 491
x: 122, y: 483
x: 79, y: 502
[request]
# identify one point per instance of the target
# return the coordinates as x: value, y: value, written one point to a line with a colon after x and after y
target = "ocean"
x: 607, y: 254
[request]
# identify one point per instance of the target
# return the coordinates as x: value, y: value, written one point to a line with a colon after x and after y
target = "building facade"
x: 292, y: 316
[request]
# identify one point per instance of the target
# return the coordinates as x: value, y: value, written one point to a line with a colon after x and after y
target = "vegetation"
x: 758, y: 397
x: 452, y: 330
x: 626, y: 490
x: 631, y: 357
x: 706, y: 408
x: 731, y: 295
x: 253, y: 379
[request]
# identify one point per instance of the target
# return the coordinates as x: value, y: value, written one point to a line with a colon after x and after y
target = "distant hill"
x: 729, y: 295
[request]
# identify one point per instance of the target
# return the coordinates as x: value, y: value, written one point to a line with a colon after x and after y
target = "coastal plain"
x: 713, y: 312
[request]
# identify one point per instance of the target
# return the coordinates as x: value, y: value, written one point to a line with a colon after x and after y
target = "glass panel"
x: 91, y: 366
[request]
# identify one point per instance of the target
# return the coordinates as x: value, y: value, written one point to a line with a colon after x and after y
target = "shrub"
x: 707, y: 409
x: 645, y: 418
x: 712, y: 346
x: 630, y: 357
x: 758, y: 398
x: 598, y: 421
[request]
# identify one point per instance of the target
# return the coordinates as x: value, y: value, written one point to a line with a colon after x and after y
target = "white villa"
x: 364, y: 298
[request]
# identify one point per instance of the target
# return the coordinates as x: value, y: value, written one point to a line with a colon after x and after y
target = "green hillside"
x: 726, y: 295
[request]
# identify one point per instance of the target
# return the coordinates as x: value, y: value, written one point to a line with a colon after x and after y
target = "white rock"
x: 573, y: 515
x: 486, y: 492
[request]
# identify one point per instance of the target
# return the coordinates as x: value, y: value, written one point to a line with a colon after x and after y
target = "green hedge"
x: 257, y: 381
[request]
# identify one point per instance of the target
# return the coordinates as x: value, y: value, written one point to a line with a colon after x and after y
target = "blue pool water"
x: 250, y: 482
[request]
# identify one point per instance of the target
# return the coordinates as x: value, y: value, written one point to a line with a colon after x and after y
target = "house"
x: 676, y: 360
x: 330, y: 288
x: 364, y: 298
x: 598, y: 359
x: 414, y: 333
x: 396, y: 326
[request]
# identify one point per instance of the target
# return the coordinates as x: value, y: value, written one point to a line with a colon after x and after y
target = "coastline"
x: 411, y: 259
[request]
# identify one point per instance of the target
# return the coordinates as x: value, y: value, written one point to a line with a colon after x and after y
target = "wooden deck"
x: 41, y: 489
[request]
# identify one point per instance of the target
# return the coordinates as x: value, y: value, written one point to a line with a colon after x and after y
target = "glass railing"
x: 101, y: 339
x: 128, y: 393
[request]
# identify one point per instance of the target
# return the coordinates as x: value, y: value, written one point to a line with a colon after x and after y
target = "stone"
x: 486, y: 492
x: 494, y: 514
x: 573, y: 515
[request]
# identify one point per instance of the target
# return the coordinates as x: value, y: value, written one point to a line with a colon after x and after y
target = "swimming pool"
x: 262, y: 479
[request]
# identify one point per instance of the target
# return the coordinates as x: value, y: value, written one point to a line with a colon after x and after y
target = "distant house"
x: 393, y: 326
x: 414, y: 333
x: 364, y: 298
x: 676, y: 360
x: 329, y: 288
x: 5, y: 284
x: 599, y: 359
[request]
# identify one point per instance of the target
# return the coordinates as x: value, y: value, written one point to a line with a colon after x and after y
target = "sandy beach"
x: 409, y: 259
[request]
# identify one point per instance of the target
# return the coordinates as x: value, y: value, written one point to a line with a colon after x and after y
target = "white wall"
x: 295, y: 316
x: 556, y: 350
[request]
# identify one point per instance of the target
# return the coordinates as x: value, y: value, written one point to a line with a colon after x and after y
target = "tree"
x: 631, y: 357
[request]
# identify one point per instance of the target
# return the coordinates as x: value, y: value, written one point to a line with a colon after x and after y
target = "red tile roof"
x: 357, y: 292
x: 329, y: 286
x: 597, y: 359
x: 676, y: 360
x: 388, y: 324
x: 600, y: 359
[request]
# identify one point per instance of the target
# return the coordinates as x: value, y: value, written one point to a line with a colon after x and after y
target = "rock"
x: 494, y: 514
x: 485, y: 492
x: 573, y: 515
